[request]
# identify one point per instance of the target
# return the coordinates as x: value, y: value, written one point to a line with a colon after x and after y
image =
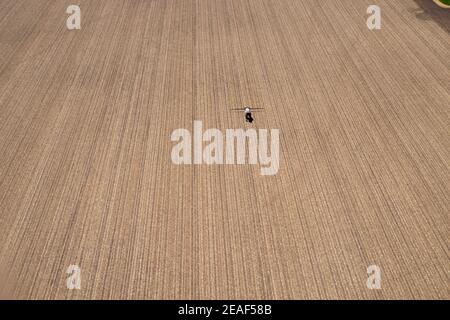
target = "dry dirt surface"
x: 86, y: 176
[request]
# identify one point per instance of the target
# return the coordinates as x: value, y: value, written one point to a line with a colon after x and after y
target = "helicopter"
x: 248, y: 113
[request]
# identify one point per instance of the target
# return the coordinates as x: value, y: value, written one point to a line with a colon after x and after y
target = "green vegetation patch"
x: 447, y: 2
